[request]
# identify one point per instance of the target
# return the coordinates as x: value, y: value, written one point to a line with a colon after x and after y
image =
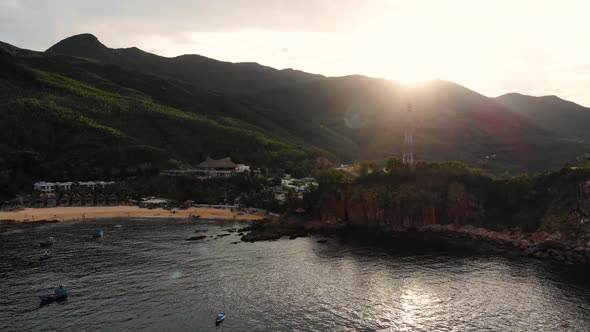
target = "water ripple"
x: 144, y: 276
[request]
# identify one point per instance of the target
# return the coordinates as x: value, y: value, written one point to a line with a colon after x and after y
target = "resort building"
x: 52, y: 187
x: 211, y: 168
x: 224, y: 167
x: 46, y: 187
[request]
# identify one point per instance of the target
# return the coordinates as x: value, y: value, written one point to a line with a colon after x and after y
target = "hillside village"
x: 102, y: 193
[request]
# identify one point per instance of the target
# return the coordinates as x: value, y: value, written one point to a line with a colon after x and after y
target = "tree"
x: 363, y: 168
x: 393, y: 163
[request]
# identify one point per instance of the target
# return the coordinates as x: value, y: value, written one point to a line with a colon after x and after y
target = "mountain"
x: 68, y: 118
x: 83, y: 110
x: 568, y: 119
x: 195, y: 69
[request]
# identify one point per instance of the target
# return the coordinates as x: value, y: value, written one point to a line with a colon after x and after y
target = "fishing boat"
x: 46, y: 255
x: 98, y: 233
x: 47, y: 243
x: 220, y: 318
x: 58, y: 293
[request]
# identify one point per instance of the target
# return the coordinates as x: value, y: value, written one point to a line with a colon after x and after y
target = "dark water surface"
x: 145, y: 276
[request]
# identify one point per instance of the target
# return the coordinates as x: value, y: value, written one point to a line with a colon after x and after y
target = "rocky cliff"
x: 547, y: 214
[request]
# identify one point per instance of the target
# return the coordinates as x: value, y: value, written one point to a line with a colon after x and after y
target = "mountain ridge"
x: 192, y: 68
x: 170, y: 113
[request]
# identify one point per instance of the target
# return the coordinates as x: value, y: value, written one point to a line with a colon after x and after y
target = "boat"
x: 195, y: 217
x: 220, y: 318
x: 46, y: 255
x: 47, y: 243
x: 58, y: 293
x: 98, y: 233
x: 117, y: 226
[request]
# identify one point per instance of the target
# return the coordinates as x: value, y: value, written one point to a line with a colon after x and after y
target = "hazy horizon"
x: 531, y: 47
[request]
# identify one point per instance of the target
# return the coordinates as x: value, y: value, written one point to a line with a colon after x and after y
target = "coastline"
x: 539, y: 245
x: 120, y: 211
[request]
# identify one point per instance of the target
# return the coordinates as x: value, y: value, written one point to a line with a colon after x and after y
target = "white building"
x: 46, y: 187
x: 64, y: 186
x: 51, y: 187
x: 211, y: 168
x: 241, y: 168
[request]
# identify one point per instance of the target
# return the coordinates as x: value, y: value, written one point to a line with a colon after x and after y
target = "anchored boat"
x: 98, y: 233
x: 47, y: 243
x: 46, y: 255
x: 220, y: 318
x: 58, y: 293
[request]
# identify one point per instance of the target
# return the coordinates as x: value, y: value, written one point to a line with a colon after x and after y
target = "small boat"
x: 98, y: 233
x: 117, y: 226
x: 220, y: 318
x: 58, y: 293
x: 47, y: 243
x: 46, y: 255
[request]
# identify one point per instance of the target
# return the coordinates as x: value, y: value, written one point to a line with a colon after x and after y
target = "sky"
x: 493, y: 47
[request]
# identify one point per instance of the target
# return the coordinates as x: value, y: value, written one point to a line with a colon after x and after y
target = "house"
x: 91, y: 185
x: 52, y: 187
x: 241, y: 168
x: 46, y: 187
x: 64, y: 186
x: 224, y: 167
x: 211, y: 168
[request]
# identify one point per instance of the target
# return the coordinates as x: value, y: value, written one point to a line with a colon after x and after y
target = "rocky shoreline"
x: 539, y: 245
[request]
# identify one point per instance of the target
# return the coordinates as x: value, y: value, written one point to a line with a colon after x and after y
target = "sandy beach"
x: 81, y: 212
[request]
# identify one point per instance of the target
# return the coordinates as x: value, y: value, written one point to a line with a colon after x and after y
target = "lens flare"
x: 354, y: 119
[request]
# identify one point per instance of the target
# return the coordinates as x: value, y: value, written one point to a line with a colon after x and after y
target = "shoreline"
x: 538, y: 245
x: 30, y: 215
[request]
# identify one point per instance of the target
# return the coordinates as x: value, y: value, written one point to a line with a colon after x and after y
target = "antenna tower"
x: 408, y: 147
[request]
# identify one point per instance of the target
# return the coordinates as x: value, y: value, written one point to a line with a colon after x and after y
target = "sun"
x: 409, y: 76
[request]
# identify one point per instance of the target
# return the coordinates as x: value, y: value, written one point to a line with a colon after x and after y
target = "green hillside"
x: 53, y: 126
x: 354, y: 117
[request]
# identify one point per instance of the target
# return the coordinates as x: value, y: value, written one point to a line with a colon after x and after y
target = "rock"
x: 435, y: 228
x: 550, y: 244
x: 579, y: 249
x: 323, y: 241
x: 296, y: 235
x: 587, y: 251
x: 195, y: 238
x: 559, y: 258
x: 230, y: 230
x: 525, y: 244
x: 235, y: 242
x: 540, y: 255
x: 261, y: 236
x: 222, y: 235
x: 530, y: 251
x: 240, y: 234
x: 554, y: 236
x: 578, y: 258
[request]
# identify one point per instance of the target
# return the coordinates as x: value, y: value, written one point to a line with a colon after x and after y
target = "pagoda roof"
x: 217, y: 163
